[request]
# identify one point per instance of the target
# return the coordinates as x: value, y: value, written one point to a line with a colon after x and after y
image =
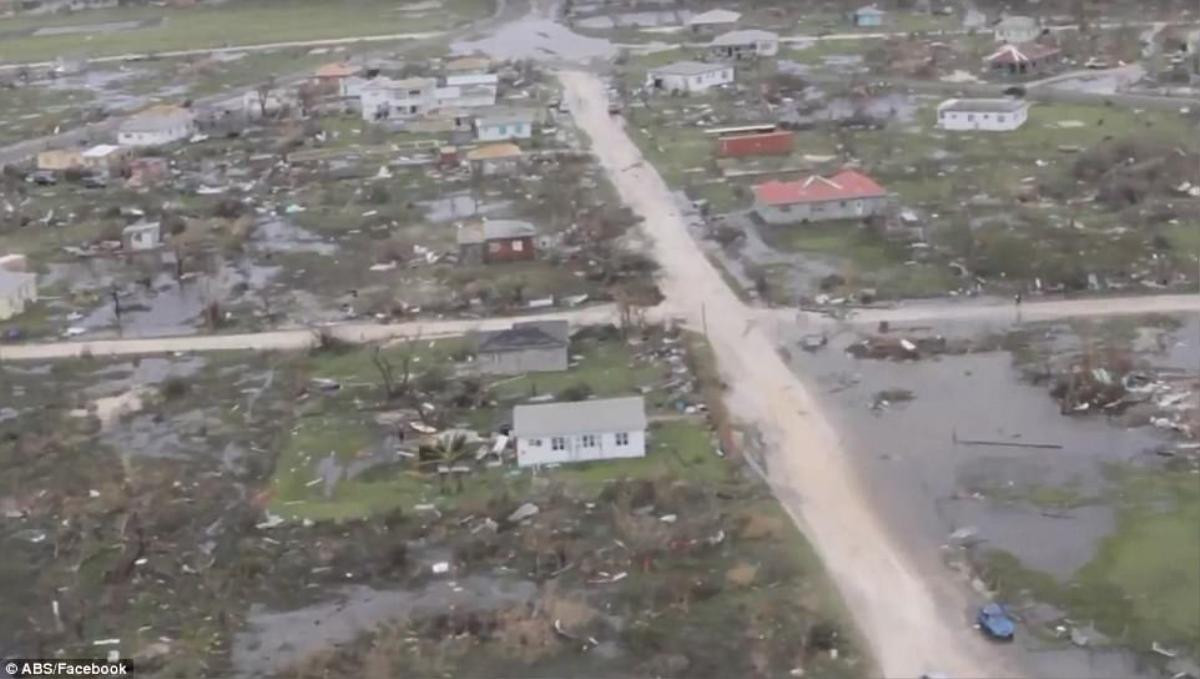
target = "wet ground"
x: 918, y: 458
x: 277, y: 640
x: 534, y: 37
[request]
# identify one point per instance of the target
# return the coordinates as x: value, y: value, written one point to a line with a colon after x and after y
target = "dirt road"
x: 1004, y: 311
x: 282, y: 340
x: 914, y: 620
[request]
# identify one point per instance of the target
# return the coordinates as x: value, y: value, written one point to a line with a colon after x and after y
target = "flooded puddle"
x: 460, y: 206
x: 536, y: 38
x: 648, y: 19
x: 945, y: 460
x: 277, y: 235
x: 275, y: 641
x: 154, y: 303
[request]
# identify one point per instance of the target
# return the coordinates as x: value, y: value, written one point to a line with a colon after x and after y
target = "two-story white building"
x: 387, y: 99
x: 689, y: 76
x: 602, y: 429
x: 997, y: 115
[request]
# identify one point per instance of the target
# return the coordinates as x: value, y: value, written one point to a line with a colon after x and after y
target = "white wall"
x: 156, y: 138
x: 975, y: 120
x: 692, y: 83
x: 519, y: 130
x: 534, y: 451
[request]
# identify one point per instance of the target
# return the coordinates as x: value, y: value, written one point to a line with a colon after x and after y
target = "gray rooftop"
x: 686, y: 68
x: 506, y: 117
x: 744, y: 37
x: 158, y: 119
x: 580, y: 417
x: 528, y: 335
x: 983, y: 105
x: 869, y: 9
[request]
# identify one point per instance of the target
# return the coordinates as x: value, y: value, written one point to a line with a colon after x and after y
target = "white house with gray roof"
x: 157, y: 126
x: 744, y: 44
x: 601, y: 429
x: 995, y: 115
x: 689, y: 76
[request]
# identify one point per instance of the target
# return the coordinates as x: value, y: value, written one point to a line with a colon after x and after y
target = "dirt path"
x: 914, y: 620
x: 291, y: 339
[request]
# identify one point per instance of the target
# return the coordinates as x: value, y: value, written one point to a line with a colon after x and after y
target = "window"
x: 494, y: 246
x: 970, y: 117
x: 558, y: 443
x: 502, y: 129
x: 843, y: 204
x: 518, y: 245
x: 1000, y: 117
x: 536, y: 443
x: 622, y: 438
x: 588, y: 440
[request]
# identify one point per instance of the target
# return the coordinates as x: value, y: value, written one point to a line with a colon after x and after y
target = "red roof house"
x: 1030, y: 57
x: 845, y: 195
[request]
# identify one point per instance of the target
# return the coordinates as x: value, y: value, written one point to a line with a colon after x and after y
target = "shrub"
x: 174, y: 388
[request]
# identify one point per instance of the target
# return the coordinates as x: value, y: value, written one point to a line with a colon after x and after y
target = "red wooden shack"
x: 777, y: 143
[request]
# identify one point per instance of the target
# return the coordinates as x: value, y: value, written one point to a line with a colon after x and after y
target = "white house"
x: 713, y: 20
x: 498, y: 126
x: 141, y: 236
x: 1017, y: 29
x: 602, y: 429
x: 999, y: 115
x: 384, y: 98
x: 156, y: 126
x: 744, y: 44
x: 689, y: 76
x: 17, y: 290
x: 467, y: 91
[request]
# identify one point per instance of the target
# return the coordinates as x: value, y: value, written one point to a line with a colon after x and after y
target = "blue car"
x: 996, y: 623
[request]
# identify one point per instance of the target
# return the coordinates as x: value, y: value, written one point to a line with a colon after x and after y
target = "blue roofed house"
x: 867, y: 16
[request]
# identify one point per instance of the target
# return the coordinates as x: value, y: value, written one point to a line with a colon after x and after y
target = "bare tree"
x: 264, y: 91
x: 396, y: 377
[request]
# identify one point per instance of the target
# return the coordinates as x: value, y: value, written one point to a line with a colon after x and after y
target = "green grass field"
x: 242, y: 23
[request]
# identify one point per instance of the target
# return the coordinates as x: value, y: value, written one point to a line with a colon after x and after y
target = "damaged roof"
x: 844, y: 185
x: 602, y: 415
x: 1016, y: 54
x: 493, y: 229
x: 528, y: 335
x: 158, y: 118
x: 495, y: 152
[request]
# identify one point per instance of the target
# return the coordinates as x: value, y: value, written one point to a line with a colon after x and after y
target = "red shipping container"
x: 778, y: 143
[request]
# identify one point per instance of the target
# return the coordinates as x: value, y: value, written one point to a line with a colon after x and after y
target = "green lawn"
x: 249, y: 22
